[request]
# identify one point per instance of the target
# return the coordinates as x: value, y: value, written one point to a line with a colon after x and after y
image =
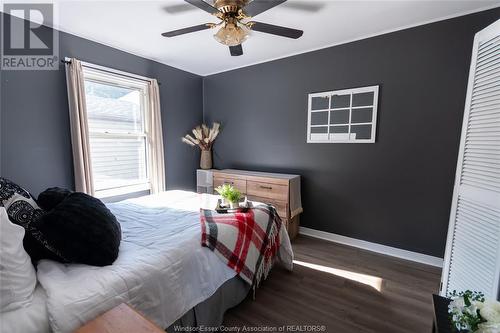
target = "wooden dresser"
x: 280, y: 190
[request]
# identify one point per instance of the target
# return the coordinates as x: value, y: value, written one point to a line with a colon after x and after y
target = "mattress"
x: 30, y: 319
x: 161, y: 270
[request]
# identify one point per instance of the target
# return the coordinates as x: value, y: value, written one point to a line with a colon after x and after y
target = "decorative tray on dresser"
x: 280, y: 190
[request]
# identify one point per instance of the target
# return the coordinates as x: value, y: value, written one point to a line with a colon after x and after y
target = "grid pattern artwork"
x: 343, y: 116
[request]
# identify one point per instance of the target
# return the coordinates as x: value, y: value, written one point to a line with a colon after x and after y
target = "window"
x: 343, y: 116
x: 117, y: 114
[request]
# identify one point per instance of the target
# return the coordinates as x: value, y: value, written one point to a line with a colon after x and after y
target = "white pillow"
x: 17, y: 274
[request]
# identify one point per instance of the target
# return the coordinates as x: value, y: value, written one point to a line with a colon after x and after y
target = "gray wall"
x: 35, y: 137
x: 395, y: 192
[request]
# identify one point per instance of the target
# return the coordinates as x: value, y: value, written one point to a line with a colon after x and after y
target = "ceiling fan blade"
x: 259, y: 6
x: 203, y: 6
x: 185, y: 30
x: 306, y: 6
x: 236, y: 50
x: 178, y: 8
x: 277, y: 30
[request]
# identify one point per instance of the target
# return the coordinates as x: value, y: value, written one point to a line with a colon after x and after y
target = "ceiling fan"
x: 236, y: 24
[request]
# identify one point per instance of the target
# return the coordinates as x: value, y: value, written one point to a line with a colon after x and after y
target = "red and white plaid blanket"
x: 247, y: 241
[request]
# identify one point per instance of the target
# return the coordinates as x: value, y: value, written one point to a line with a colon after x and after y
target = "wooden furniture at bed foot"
x: 120, y: 319
x: 280, y: 190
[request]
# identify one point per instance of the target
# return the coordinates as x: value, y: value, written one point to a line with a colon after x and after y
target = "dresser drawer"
x: 239, y: 184
x: 281, y: 206
x: 266, y: 190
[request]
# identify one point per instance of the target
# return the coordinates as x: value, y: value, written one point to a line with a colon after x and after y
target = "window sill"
x: 122, y: 191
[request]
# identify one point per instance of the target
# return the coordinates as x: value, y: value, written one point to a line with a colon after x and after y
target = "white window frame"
x: 352, y: 91
x: 117, y: 79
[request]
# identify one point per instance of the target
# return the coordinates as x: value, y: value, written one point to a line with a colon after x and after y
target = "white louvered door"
x: 472, y: 258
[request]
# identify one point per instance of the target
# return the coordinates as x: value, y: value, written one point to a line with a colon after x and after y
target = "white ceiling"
x: 135, y: 27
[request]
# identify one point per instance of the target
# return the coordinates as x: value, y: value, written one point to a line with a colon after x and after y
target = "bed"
x: 161, y: 270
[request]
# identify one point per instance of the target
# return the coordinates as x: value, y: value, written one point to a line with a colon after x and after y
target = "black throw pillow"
x: 51, y: 197
x: 81, y: 227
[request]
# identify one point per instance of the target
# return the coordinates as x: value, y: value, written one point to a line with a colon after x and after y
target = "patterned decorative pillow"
x: 8, y: 189
x: 24, y: 211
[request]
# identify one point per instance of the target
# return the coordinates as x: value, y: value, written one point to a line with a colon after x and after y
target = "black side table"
x: 442, y: 322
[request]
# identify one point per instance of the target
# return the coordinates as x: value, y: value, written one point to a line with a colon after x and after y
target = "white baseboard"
x: 374, y: 247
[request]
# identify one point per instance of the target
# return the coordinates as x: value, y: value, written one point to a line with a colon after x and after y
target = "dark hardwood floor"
x: 322, y: 290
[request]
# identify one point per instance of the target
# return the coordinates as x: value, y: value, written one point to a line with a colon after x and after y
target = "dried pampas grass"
x: 204, y: 136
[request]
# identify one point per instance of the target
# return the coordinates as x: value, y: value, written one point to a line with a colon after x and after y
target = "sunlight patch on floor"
x: 372, y: 281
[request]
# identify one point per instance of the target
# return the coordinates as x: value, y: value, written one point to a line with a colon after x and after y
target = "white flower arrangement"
x: 470, y: 312
x: 490, y: 311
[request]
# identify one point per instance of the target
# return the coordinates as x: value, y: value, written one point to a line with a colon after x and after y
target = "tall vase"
x: 206, y: 159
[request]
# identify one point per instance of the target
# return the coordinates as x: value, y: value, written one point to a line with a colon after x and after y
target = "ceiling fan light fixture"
x: 232, y: 34
x: 235, y: 18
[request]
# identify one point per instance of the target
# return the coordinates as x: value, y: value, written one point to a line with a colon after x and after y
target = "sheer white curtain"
x: 156, y: 153
x: 79, y: 127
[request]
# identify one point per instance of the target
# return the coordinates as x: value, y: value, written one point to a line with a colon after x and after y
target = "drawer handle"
x: 266, y: 187
x: 230, y: 183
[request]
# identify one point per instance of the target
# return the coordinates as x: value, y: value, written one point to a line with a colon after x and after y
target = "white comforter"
x: 162, y: 270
